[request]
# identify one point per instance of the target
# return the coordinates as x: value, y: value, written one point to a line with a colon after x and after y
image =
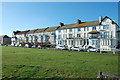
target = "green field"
x: 42, y: 63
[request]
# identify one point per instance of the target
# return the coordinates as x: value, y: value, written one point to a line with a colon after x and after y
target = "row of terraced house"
x: 103, y: 33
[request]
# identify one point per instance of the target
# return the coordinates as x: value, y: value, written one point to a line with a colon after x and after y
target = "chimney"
x: 100, y: 18
x: 61, y: 24
x: 78, y: 21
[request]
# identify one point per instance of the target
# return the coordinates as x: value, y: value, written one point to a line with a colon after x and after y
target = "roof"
x: 22, y: 32
x: 31, y: 31
x: 1, y: 36
x: 93, y: 32
x: 50, y: 29
x: 82, y: 24
x: 40, y: 30
x: 113, y: 22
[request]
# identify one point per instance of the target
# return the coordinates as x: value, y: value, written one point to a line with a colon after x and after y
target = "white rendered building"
x: 98, y: 34
x: 103, y: 34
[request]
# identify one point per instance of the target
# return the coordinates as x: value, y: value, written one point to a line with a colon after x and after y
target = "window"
x: 94, y: 35
x: 70, y: 35
x: 106, y: 34
x: 108, y: 42
x: 118, y: 35
x: 64, y: 36
x: 65, y: 30
x: 105, y: 27
x: 63, y: 41
x: 80, y: 42
x: 40, y: 34
x: 60, y: 42
x: 94, y: 28
x: 44, y: 37
x: 45, y: 33
x: 71, y: 42
x: 53, y: 37
x: 20, y: 38
x: 87, y: 28
x: 84, y: 28
x: 70, y: 30
x: 104, y: 42
x: 59, y: 36
x: 78, y: 29
x: 52, y: 33
x: 31, y: 38
x: 93, y: 42
x: 84, y: 34
x: 59, y: 31
x: 78, y: 35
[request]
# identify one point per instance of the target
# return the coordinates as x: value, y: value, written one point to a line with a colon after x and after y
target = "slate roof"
x: 1, y: 36
x: 50, y: 29
x: 31, y: 31
x: 82, y: 24
x: 22, y: 32
x: 40, y: 30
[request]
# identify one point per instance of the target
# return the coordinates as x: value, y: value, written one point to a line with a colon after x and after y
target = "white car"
x: 61, y: 47
x: 76, y: 49
x: 34, y: 46
x: 93, y: 50
x: 27, y: 46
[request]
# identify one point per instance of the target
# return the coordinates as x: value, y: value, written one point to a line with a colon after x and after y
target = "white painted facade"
x: 106, y: 39
x: 105, y: 36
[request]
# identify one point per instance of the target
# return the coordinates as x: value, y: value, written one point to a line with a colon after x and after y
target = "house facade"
x: 43, y: 36
x: 5, y: 40
x: 100, y: 34
x: 103, y: 33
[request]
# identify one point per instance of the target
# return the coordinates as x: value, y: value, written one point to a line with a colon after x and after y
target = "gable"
x: 106, y: 21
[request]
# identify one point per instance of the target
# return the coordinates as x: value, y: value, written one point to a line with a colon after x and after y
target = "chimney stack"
x: 78, y: 21
x: 100, y: 18
x: 61, y: 24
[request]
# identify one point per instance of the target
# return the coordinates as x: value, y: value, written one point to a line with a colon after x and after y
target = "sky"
x: 32, y: 15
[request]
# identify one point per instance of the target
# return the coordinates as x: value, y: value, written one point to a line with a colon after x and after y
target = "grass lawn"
x: 42, y: 63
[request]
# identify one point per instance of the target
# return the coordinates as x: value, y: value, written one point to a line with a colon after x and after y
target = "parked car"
x: 61, y: 47
x: 20, y: 45
x: 40, y: 47
x: 27, y: 46
x: 93, y: 50
x: 76, y: 49
x: 16, y: 45
x: 34, y: 46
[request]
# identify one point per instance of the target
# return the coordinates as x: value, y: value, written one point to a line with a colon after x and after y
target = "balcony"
x: 94, y: 37
x: 70, y: 38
